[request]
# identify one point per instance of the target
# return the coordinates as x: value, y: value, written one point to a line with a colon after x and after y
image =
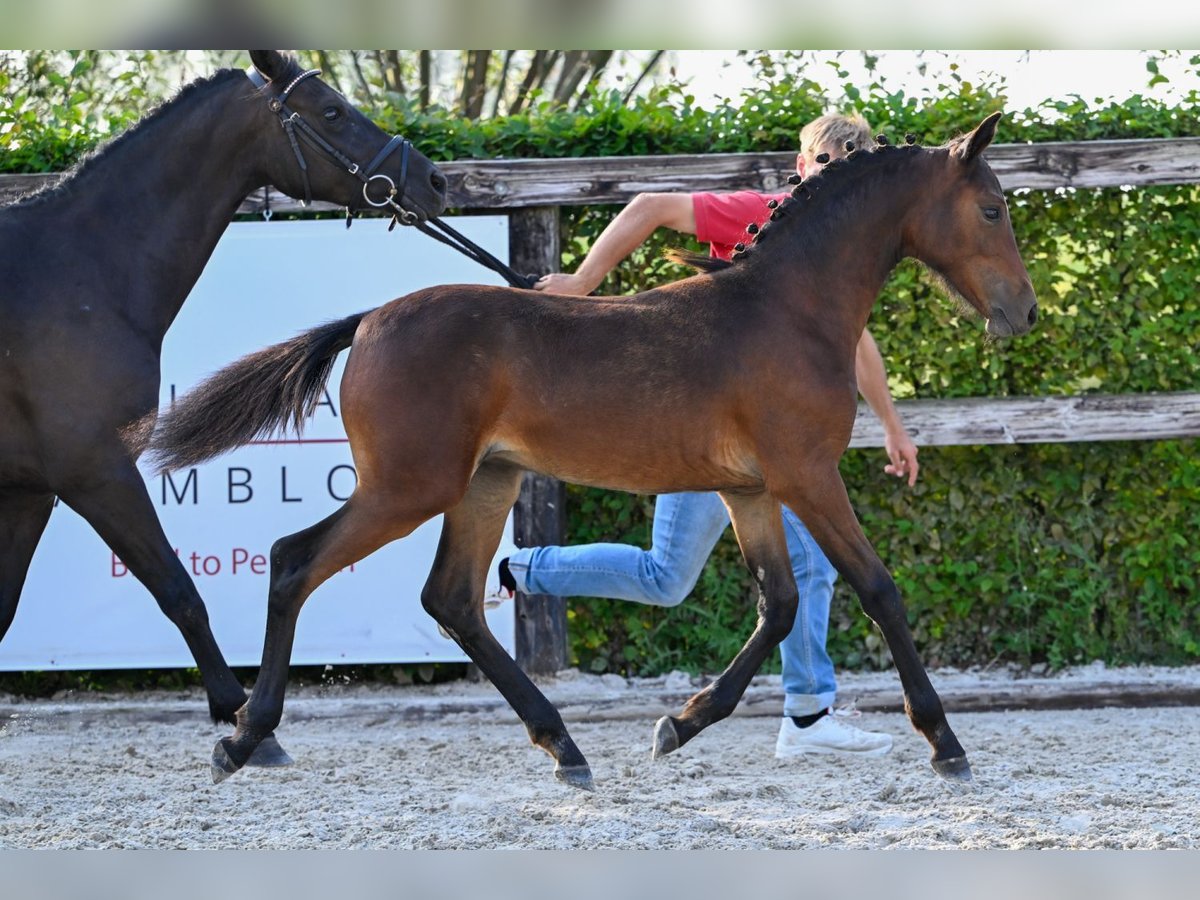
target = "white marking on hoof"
x: 222, y: 766
x: 666, y: 739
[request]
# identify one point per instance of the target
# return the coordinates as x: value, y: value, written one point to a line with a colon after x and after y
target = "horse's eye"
x: 992, y: 212
x: 332, y: 114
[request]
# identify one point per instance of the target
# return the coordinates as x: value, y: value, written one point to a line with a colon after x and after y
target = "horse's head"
x: 328, y: 150
x: 964, y: 234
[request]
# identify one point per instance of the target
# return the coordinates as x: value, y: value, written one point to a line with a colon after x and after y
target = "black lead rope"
x: 467, y: 247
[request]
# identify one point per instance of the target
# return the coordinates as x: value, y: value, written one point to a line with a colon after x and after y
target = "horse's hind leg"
x: 121, y: 512
x: 453, y: 595
x: 300, y: 562
x: 759, y: 530
x: 23, y: 518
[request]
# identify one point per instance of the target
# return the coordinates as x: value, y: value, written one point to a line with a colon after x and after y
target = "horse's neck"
x: 834, y: 264
x: 164, y: 196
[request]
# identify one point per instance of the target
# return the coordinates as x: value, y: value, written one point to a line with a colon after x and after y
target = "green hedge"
x: 1061, y: 553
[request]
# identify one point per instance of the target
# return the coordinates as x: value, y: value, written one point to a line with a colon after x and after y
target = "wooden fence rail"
x: 478, y: 185
x: 532, y: 188
x: 1039, y: 420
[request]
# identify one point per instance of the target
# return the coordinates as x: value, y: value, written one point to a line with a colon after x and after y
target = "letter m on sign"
x: 191, y: 485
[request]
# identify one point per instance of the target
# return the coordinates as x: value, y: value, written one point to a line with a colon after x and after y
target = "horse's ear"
x: 271, y: 63
x: 977, y: 141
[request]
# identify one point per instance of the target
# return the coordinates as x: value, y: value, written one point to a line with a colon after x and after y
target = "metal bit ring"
x: 390, y: 194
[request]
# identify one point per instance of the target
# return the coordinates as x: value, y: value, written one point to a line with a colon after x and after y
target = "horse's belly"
x: 635, y: 463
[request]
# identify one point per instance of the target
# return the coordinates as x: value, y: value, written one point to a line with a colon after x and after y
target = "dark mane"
x: 129, y: 135
x: 815, y: 200
x: 815, y: 197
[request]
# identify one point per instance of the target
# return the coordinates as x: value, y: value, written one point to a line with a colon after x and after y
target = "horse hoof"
x: 956, y: 770
x: 576, y: 776
x: 269, y: 755
x: 222, y: 763
x: 666, y: 739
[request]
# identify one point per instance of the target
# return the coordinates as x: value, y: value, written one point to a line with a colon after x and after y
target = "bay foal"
x: 739, y: 380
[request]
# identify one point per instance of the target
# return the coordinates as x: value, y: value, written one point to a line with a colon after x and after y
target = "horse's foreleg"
x: 453, y: 595
x: 758, y: 526
x: 121, y: 512
x: 23, y: 518
x: 300, y: 563
x: 822, y: 504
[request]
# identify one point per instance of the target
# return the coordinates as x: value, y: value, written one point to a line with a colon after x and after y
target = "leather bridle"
x: 299, y: 130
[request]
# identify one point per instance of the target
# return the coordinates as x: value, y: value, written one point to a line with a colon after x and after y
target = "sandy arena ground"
x: 133, y: 772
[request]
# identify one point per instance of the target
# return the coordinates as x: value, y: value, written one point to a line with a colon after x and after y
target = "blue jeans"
x: 686, y: 528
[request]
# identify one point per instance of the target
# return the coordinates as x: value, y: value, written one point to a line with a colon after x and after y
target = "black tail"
x: 260, y: 394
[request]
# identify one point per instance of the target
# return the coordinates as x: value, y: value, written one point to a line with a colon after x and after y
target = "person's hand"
x: 560, y: 283
x: 903, y: 455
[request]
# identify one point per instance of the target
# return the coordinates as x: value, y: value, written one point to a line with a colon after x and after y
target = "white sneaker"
x: 829, y: 734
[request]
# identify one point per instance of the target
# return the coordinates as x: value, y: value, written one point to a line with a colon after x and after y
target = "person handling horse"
x: 687, y: 526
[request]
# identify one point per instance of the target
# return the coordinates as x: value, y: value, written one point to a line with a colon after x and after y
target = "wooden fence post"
x: 540, y: 516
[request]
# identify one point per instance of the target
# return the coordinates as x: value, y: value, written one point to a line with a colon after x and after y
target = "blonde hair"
x: 831, y: 133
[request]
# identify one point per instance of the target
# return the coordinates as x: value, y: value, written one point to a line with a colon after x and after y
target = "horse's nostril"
x: 1033, y: 314
x: 438, y: 181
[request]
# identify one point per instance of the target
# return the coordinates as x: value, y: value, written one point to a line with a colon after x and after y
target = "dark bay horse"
x: 94, y: 270
x: 739, y: 380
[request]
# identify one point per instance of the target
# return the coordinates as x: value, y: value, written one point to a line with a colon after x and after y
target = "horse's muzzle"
x: 1015, y: 318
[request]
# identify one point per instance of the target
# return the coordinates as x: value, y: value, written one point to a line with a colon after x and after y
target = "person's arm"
x: 624, y: 234
x: 872, y: 384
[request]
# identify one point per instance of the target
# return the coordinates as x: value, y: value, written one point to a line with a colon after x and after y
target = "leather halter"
x: 298, y: 130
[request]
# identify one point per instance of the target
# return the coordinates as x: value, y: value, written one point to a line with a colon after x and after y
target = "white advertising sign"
x: 266, y: 281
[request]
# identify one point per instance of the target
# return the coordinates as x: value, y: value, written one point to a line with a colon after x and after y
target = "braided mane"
x: 813, y: 200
